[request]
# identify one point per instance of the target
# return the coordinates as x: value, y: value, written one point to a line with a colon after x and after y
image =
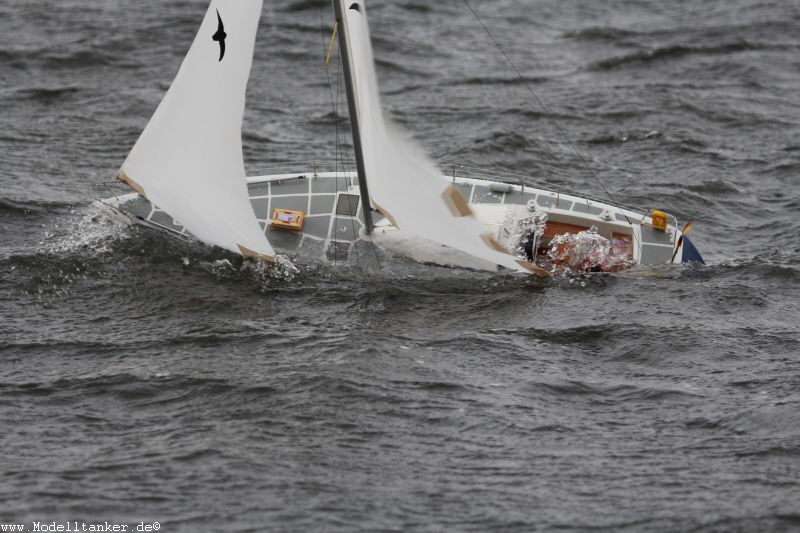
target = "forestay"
x: 188, y: 160
x: 404, y: 184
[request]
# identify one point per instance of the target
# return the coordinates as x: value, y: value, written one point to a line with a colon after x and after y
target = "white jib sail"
x: 188, y: 160
x: 403, y: 183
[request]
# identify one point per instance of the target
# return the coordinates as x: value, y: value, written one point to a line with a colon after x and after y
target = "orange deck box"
x: 287, y: 219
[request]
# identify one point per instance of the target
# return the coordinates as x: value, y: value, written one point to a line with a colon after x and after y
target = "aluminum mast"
x: 339, y: 7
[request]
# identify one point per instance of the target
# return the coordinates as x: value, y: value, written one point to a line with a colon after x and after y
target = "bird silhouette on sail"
x: 220, y: 36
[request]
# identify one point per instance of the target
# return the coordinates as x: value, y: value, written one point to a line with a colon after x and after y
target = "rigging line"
x: 338, y: 151
x: 344, y: 166
x: 347, y: 192
x: 547, y: 111
x: 363, y: 204
x: 330, y: 46
x: 335, y: 124
x: 341, y: 153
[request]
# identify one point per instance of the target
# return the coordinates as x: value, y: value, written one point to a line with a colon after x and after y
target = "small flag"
x: 686, y: 229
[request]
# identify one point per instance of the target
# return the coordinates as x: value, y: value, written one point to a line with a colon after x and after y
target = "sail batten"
x: 188, y: 160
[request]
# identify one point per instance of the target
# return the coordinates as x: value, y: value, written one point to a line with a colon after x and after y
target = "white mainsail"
x: 188, y: 160
x: 404, y: 184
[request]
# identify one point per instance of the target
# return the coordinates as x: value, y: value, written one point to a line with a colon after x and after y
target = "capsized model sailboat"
x: 188, y: 173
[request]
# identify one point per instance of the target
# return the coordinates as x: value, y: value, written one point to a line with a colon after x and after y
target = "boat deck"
x: 333, y: 224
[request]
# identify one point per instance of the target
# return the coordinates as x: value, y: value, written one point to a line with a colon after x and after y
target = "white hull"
x: 334, y: 219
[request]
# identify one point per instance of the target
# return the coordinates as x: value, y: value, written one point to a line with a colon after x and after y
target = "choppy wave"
x: 24, y: 207
x: 626, y: 137
x: 715, y: 187
x: 509, y: 142
x: 661, y: 53
x: 46, y: 95
x: 605, y: 33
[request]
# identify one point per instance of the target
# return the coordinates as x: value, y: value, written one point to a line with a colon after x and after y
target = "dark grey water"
x: 144, y: 380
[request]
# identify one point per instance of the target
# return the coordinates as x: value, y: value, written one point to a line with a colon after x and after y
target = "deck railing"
x: 458, y: 171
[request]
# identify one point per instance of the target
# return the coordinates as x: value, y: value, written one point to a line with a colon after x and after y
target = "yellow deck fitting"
x: 287, y: 219
x: 659, y: 220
